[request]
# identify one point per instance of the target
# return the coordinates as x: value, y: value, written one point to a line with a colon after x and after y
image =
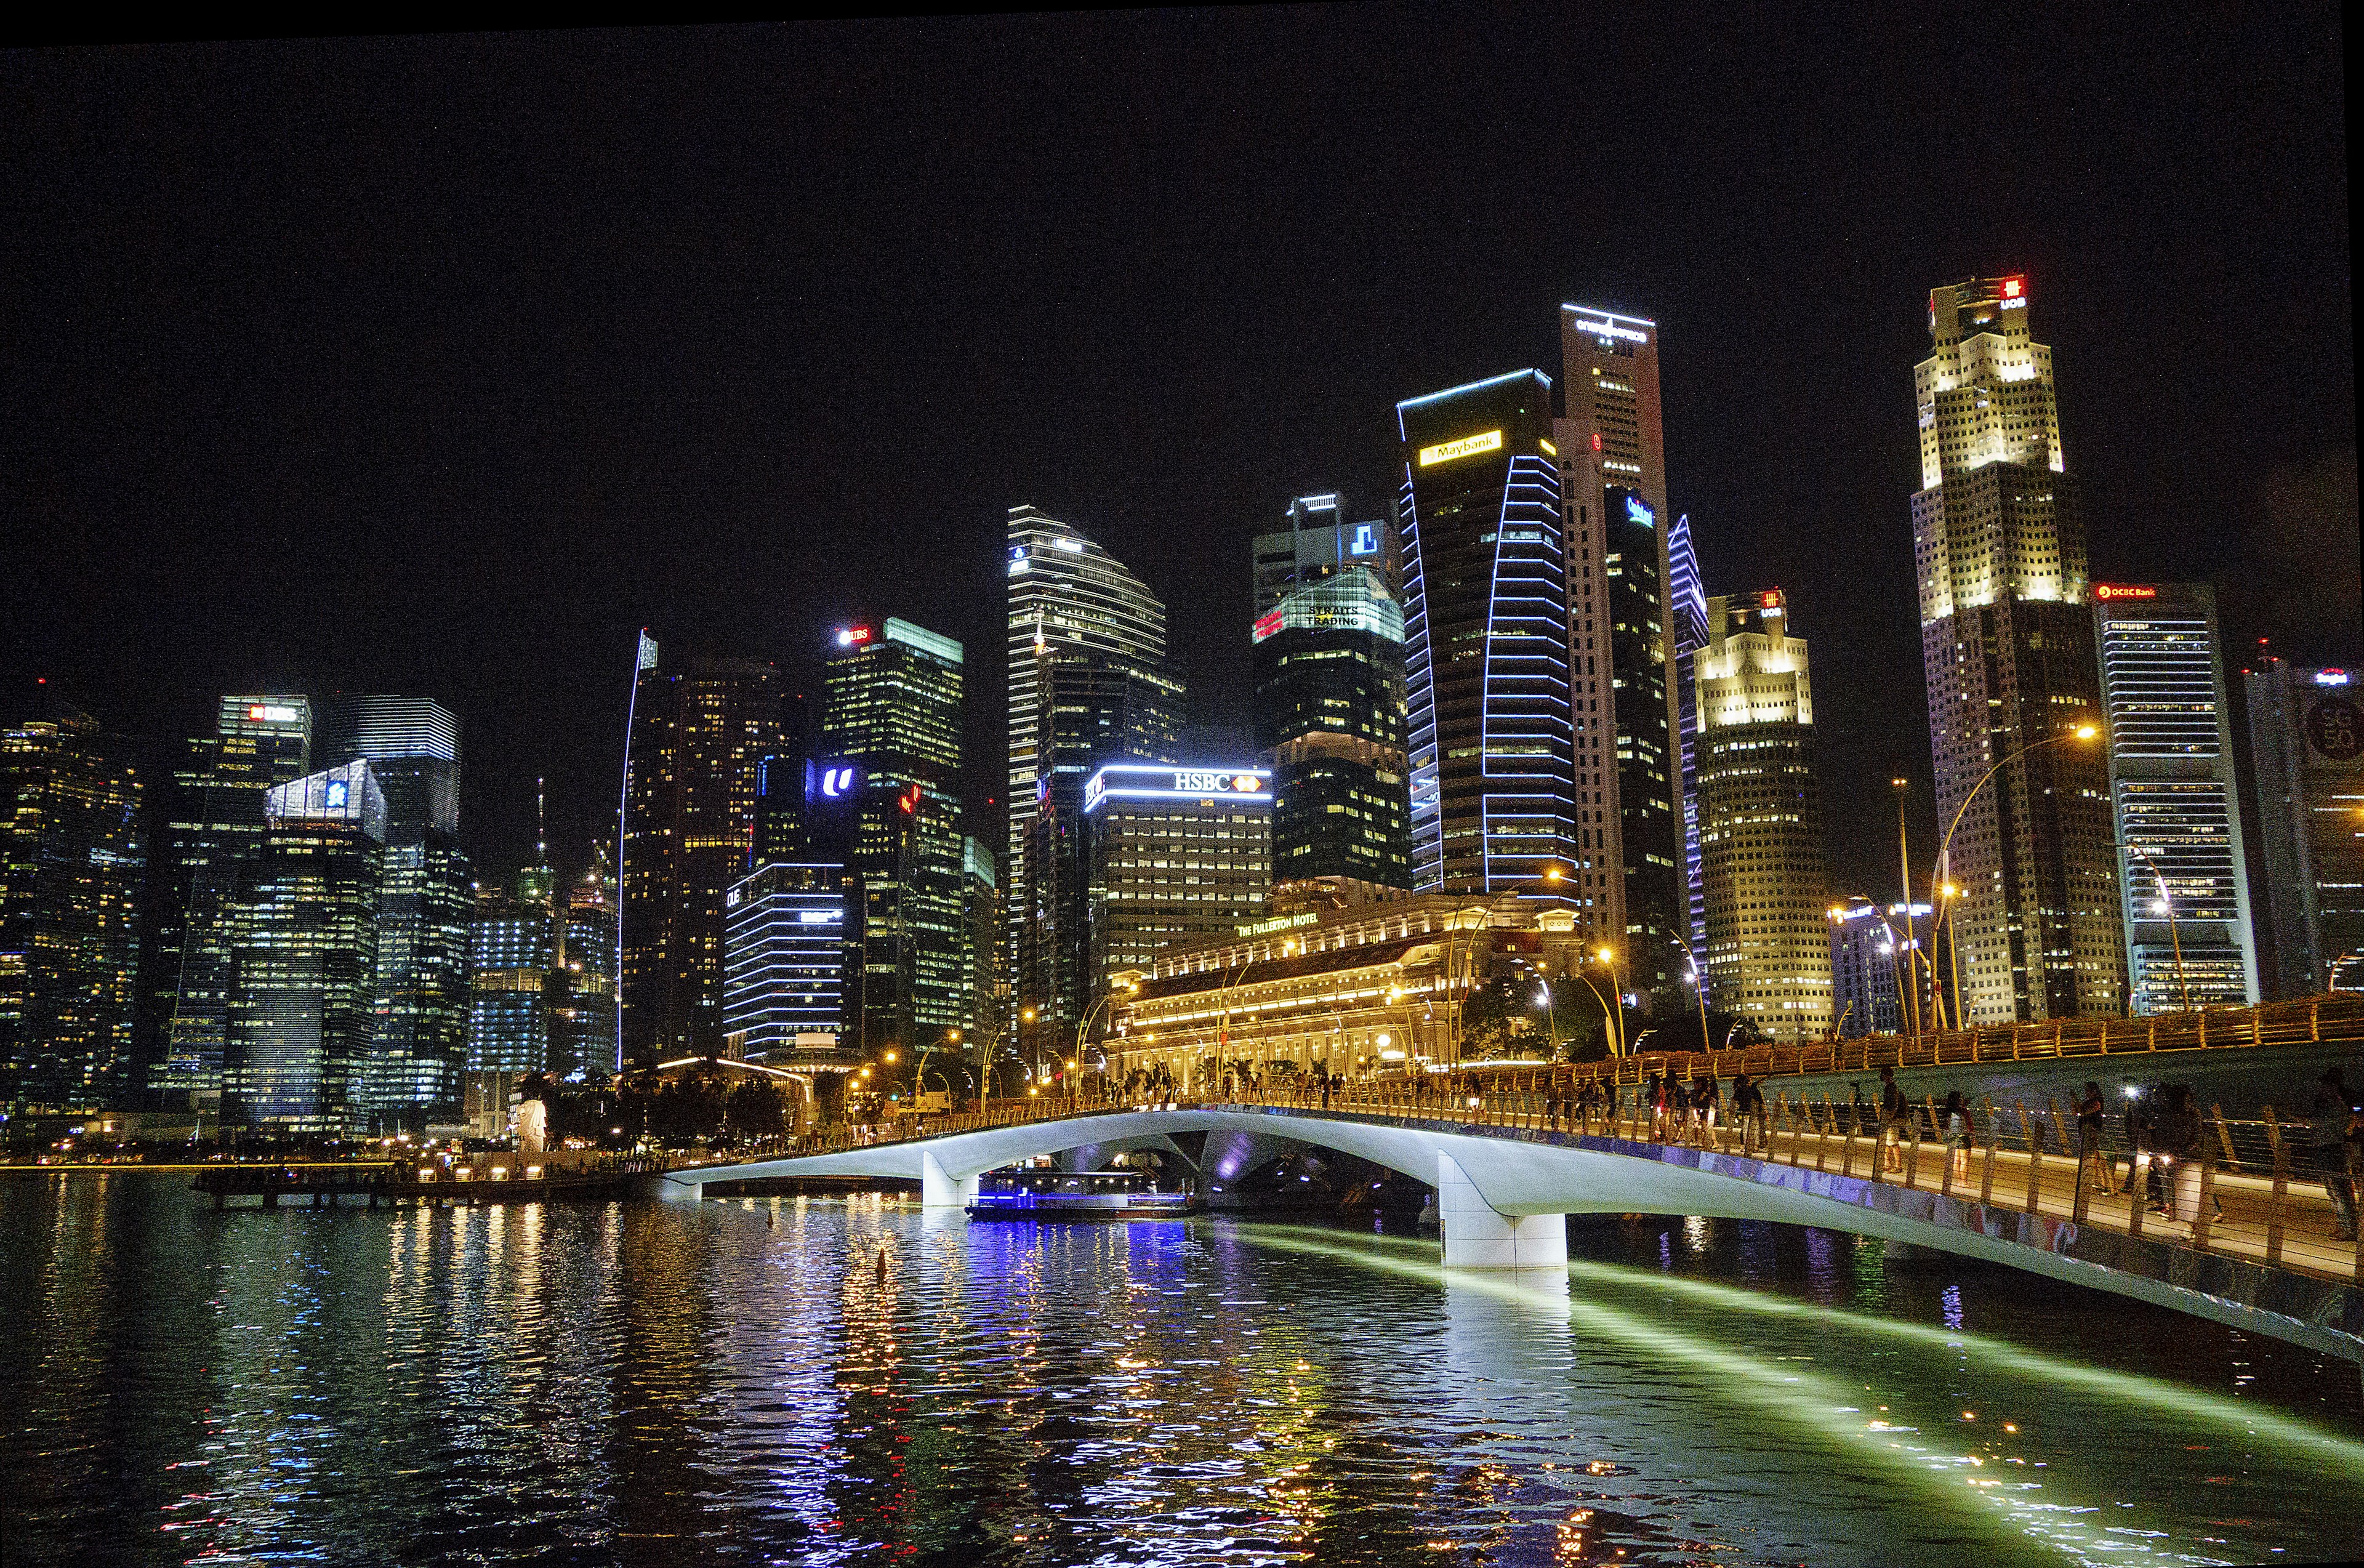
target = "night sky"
x: 440, y: 365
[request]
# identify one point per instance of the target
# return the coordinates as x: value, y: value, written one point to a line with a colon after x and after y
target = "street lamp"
x: 1898, y: 955
x: 2167, y: 908
x: 2081, y: 732
x: 1699, y: 983
x: 1614, y: 1011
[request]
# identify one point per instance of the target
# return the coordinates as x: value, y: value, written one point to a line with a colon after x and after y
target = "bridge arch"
x: 1501, y: 1200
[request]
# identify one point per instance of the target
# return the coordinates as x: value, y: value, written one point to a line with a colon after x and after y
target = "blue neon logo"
x: 1638, y: 510
x: 1366, y: 539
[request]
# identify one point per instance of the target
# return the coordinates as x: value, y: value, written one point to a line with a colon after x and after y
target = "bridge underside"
x: 1500, y: 1199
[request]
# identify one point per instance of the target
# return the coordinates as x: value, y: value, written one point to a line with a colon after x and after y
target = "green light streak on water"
x: 1810, y: 1404
x: 2121, y: 1388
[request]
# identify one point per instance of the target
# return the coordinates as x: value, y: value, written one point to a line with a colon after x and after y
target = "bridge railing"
x: 2260, y: 1189
x: 2337, y: 1019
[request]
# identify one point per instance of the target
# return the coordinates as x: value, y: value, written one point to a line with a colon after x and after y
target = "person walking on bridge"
x: 1955, y: 1124
x: 2335, y: 1117
x: 1892, y: 1112
x: 2090, y: 1167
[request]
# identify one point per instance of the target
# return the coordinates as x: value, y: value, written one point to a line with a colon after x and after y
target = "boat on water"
x: 1066, y: 1197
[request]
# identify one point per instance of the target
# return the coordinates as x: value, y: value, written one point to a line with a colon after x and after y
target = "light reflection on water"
x: 856, y: 1382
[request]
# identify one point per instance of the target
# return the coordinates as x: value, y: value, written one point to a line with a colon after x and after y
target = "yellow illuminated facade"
x: 1467, y: 446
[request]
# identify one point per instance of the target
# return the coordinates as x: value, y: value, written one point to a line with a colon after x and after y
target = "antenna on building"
x: 541, y: 826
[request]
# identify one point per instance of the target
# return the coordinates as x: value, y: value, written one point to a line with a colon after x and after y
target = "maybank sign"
x: 1467, y: 446
x: 1141, y: 781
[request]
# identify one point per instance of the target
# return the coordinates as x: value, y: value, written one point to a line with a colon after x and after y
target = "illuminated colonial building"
x: 1760, y: 822
x: 72, y: 853
x: 1612, y: 453
x: 698, y: 729
x: 2183, y: 880
x: 1494, y: 790
x: 2007, y: 647
x: 1380, y: 987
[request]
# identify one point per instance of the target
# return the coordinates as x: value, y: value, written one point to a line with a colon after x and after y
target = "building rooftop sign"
x: 1151, y: 780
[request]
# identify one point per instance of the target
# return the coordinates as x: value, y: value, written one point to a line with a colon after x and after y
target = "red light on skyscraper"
x: 1596, y: 440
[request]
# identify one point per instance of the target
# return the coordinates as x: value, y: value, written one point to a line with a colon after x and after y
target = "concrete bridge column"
x: 940, y: 1189
x: 1476, y: 1236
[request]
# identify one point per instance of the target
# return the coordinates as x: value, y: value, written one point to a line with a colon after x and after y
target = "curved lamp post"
x: 2167, y: 908
x: 2081, y: 732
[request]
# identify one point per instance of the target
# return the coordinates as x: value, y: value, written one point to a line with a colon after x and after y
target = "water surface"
x: 748, y: 1381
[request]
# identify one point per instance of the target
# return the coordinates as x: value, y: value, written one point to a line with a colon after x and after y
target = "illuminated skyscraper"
x: 1760, y: 822
x: 1173, y: 855
x: 1330, y: 718
x: 2306, y: 744
x: 1319, y: 542
x: 1688, y: 608
x: 418, y: 1042
x: 786, y: 937
x: 1088, y: 685
x: 894, y: 707
x: 698, y: 728
x: 305, y: 947
x: 988, y: 981
x: 2186, y: 889
x: 72, y: 853
x: 259, y: 743
x: 1613, y: 452
x: 513, y: 989
x: 1494, y: 802
x: 2007, y: 646
x: 583, y: 1027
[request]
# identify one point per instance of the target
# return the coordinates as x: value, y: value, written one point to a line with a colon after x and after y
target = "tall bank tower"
x: 2007, y: 646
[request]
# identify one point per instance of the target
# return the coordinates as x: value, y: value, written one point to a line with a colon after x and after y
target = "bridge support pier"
x: 1477, y: 1236
x: 940, y: 1189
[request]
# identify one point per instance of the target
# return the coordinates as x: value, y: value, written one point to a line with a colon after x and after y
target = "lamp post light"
x: 1947, y: 893
x: 2081, y: 732
x: 1699, y: 984
x: 1612, y: 1007
x: 1899, y: 956
x: 1904, y: 788
x: 2166, y: 907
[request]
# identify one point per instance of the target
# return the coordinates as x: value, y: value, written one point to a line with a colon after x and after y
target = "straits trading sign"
x: 1467, y: 446
x: 1139, y: 781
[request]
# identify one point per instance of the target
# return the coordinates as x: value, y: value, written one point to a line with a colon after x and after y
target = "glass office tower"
x: 2183, y: 880
x: 1686, y: 600
x: 72, y: 855
x: 1493, y: 789
x: 1088, y: 685
x: 259, y: 742
x: 583, y: 1045
x: 418, y: 1042
x: 1174, y: 855
x: 894, y: 707
x: 2306, y: 744
x: 698, y: 727
x: 512, y: 980
x: 784, y: 938
x: 1319, y: 542
x: 2007, y: 648
x: 305, y: 944
x: 1330, y: 719
x: 1612, y: 452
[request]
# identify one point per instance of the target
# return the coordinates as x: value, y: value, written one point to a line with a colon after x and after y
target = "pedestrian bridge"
x: 2254, y: 1253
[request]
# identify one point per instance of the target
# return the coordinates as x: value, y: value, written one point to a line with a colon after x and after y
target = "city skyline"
x: 380, y: 583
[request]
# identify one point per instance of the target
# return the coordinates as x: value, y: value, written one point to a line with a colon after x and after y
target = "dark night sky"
x: 440, y: 365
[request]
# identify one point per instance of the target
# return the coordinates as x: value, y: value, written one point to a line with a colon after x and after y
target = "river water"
x: 850, y: 1381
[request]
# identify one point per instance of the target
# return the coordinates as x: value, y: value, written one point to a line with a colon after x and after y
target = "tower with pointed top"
x: 2007, y: 648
